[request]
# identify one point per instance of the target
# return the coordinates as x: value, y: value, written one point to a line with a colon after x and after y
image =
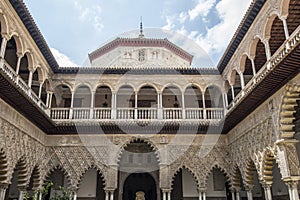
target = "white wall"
x: 210, y: 186
x: 88, y: 184
x: 189, y: 186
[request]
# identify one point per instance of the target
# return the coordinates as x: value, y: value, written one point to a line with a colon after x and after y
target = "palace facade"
x: 140, y: 121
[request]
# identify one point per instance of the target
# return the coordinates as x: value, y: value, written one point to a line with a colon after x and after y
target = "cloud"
x: 183, y: 17
x: 218, y: 36
x: 170, y: 22
x: 202, y: 8
x: 91, y: 15
x: 62, y: 59
x: 213, y: 39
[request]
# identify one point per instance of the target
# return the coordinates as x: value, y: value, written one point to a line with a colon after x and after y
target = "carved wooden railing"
x: 16, y: 79
x: 292, y: 42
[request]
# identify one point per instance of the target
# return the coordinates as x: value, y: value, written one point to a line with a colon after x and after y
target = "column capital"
x: 292, y: 181
x: 202, y: 189
x: 267, y: 184
x: 109, y: 189
x: 166, y: 190
x: 5, y: 36
x: 4, y: 186
x: 249, y: 187
x: 283, y: 17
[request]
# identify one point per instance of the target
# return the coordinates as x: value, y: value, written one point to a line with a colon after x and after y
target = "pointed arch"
x: 184, y: 167
x: 95, y: 167
x: 222, y: 169
x: 57, y: 168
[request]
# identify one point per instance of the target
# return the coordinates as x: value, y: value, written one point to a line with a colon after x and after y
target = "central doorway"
x: 137, y: 182
x: 138, y: 171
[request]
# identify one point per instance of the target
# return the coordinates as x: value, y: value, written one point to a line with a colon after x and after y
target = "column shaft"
x: 233, y: 195
x: 18, y: 64
x: 92, y: 105
x: 2, y: 193
x: 249, y: 195
x: 114, y: 105
x: 40, y: 90
x: 253, y: 66
x: 106, y: 195
x: 232, y: 92
x: 237, y: 195
x: 72, y: 105
x: 21, y: 195
x: 204, y: 195
x: 75, y: 196
x: 268, y: 50
x: 30, y: 79
x: 169, y: 195
x: 242, y: 80
x: 111, y: 195
x: 268, y: 195
x: 183, y: 106
x: 285, y: 26
x: 135, y: 105
x: 3, y: 47
x: 164, y: 195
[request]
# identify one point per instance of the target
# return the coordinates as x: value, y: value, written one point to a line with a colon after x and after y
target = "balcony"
x: 69, y: 114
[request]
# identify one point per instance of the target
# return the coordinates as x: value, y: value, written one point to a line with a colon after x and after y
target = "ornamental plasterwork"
x: 17, y: 145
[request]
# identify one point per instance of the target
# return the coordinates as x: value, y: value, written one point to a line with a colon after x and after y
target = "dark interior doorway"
x: 139, y: 182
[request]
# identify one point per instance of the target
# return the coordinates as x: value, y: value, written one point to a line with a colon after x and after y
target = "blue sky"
x: 74, y: 28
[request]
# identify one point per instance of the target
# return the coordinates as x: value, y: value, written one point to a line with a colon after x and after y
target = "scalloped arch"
x: 99, y: 171
x: 184, y: 167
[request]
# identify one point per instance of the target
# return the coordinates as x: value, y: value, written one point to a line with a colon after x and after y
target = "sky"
x: 74, y: 28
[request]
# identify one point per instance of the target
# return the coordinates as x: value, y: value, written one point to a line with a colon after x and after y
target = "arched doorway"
x: 138, y: 171
x: 139, y: 182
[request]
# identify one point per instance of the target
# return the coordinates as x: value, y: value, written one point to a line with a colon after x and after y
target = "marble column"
x: 253, y: 66
x: 285, y: 26
x: 183, y: 106
x: 21, y: 194
x: 204, y: 106
x: 114, y: 105
x: 267, y: 190
x: 3, y: 189
x: 267, y: 49
x: 30, y: 78
x: 293, y: 189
